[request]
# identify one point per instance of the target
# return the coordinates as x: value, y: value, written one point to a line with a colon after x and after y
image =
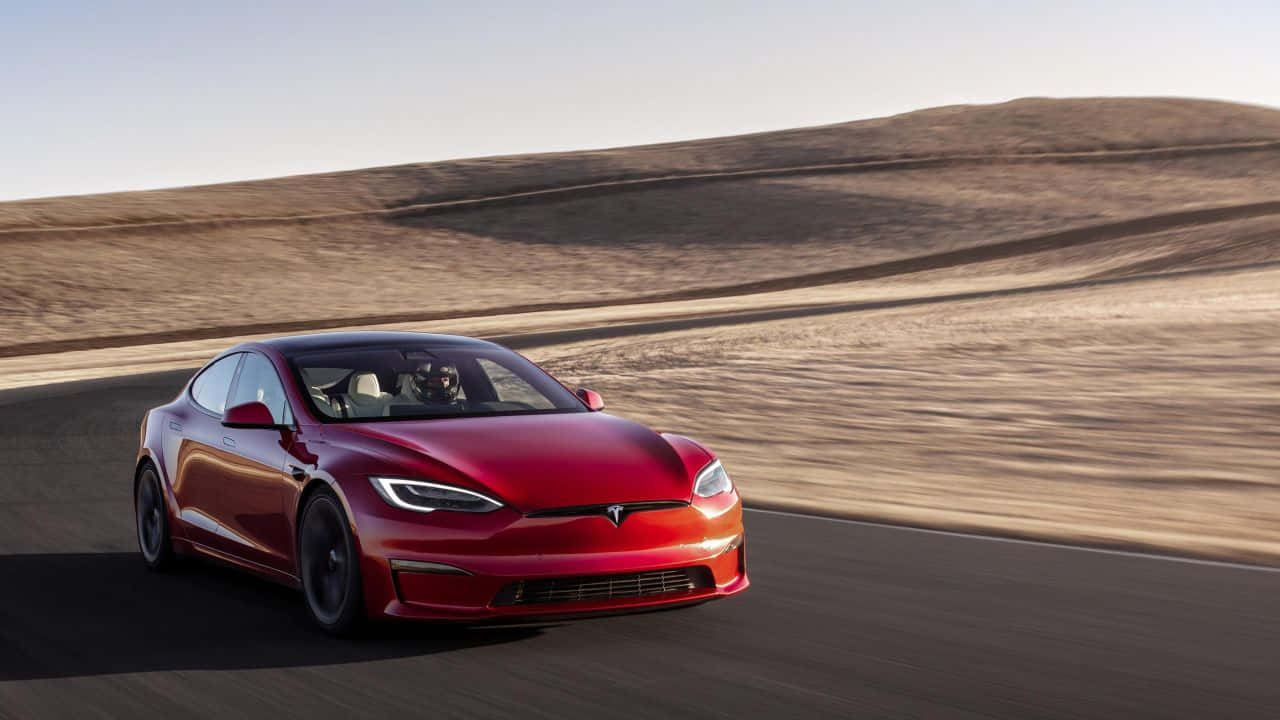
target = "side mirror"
x: 591, y: 399
x: 249, y: 415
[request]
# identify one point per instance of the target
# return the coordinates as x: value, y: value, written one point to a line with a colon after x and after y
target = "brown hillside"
x: 632, y: 241
x: 1030, y: 125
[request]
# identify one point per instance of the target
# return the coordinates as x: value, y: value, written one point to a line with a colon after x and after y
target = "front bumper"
x: 471, y: 568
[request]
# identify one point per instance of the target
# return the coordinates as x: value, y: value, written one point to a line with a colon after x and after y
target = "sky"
x: 103, y: 96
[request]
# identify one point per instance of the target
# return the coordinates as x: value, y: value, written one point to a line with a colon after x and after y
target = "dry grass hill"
x: 377, y: 244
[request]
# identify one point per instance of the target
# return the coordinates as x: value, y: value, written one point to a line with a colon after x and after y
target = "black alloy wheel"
x: 328, y: 566
x: 152, y: 520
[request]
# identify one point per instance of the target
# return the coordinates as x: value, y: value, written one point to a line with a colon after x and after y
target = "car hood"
x: 536, y: 462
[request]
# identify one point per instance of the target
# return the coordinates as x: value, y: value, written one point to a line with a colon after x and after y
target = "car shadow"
x: 64, y: 615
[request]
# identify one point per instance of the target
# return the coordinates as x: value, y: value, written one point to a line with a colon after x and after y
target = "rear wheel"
x: 328, y: 565
x: 153, y: 521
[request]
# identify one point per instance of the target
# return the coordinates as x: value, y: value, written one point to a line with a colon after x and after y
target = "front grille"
x: 604, y: 587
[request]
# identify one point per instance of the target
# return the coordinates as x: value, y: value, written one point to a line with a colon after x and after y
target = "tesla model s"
x: 433, y: 477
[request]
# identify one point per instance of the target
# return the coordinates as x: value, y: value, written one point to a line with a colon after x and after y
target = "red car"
x: 431, y: 477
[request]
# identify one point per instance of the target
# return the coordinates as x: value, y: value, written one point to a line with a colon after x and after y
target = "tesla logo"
x: 615, y: 513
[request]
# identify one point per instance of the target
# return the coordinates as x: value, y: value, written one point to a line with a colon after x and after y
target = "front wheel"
x: 328, y: 565
x: 153, y: 521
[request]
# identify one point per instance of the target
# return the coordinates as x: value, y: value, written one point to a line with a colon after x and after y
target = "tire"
x: 152, y: 520
x: 329, y: 566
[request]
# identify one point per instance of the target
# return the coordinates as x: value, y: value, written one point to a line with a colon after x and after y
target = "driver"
x: 435, y: 383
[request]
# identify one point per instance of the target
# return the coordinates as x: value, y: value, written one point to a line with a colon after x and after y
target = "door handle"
x: 228, y: 441
x: 298, y: 473
x: 175, y: 426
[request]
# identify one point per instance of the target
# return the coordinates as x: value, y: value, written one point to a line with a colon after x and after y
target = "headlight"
x: 712, y: 480
x: 422, y: 496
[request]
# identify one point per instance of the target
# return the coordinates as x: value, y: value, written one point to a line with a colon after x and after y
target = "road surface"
x: 843, y: 620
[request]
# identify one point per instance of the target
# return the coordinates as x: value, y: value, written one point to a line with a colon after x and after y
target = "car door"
x: 251, y: 506
x: 198, y: 473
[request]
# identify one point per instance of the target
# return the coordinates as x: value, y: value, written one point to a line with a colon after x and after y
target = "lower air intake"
x: 604, y: 587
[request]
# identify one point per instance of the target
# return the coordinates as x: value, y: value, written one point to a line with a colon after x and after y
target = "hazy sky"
x: 98, y: 96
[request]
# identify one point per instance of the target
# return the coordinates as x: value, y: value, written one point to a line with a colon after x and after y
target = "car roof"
x: 296, y: 344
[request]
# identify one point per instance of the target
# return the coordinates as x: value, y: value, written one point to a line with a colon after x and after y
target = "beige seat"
x: 365, y: 397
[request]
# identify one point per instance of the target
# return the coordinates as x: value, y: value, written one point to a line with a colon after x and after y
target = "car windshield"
x: 370, y: 384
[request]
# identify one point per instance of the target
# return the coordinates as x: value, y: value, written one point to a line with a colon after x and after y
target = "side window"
x: 259, y: 383
x: 210, y: 388
x: 511, y: 388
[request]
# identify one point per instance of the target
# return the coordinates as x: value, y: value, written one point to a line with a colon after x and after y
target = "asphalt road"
x: 843, y: 620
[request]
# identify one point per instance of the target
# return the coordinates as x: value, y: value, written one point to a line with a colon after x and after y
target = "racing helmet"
x: 435, y: 382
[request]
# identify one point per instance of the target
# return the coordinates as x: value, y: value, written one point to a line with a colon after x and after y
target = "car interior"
x: 373, y: 384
